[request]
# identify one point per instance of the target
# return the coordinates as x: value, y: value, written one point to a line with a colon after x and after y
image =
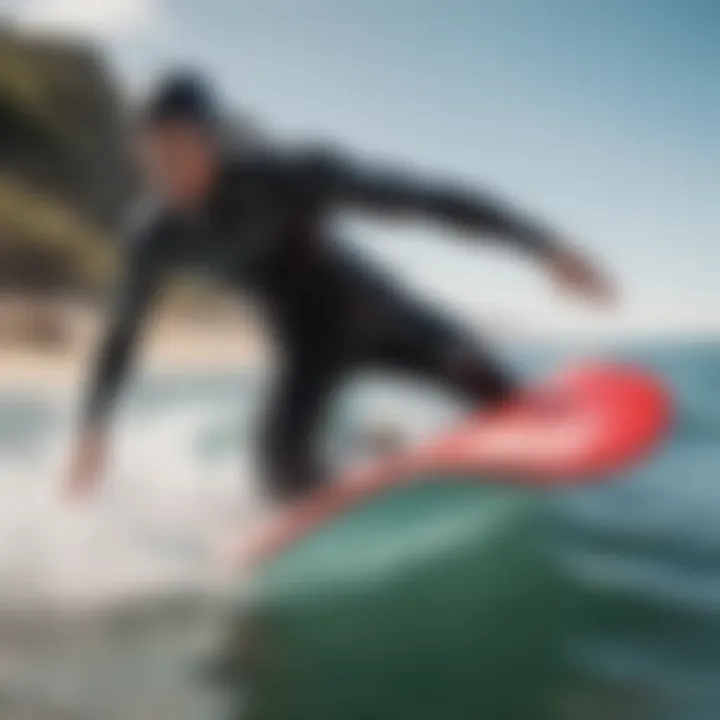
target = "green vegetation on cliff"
x: 45, y: 242
x: 65, y: 175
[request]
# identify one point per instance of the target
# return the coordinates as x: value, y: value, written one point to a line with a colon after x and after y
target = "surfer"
x: 257, y: 219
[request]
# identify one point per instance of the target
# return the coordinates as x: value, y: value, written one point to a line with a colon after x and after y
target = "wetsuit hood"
x: 181, y: 96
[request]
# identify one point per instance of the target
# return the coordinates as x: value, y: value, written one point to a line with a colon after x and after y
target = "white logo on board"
x: 538, y: 442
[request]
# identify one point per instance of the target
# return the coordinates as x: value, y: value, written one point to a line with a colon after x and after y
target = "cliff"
x: 65, y: 174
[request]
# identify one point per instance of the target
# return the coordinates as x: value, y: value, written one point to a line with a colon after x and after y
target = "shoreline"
x: 168, y: 346
x: 221, y: 342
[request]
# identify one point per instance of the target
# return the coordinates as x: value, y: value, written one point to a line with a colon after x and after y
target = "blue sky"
x: 601, y: 117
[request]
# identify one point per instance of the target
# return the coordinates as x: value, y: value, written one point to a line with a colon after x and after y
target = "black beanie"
x: 183, y: 96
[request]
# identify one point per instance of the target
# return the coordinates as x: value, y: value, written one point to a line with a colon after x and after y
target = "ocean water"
x: 109, y: 609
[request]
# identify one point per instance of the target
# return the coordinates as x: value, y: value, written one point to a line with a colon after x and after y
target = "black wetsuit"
x: 264, y: 229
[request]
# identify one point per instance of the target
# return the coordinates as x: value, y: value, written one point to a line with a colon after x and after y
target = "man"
x: 257, y: 219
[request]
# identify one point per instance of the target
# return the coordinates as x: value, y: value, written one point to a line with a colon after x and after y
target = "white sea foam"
x: 182, y: 483
x: 157, y: 522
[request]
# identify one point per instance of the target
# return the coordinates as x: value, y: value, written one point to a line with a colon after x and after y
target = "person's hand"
x: 87, y: 464
x: 573, y: 272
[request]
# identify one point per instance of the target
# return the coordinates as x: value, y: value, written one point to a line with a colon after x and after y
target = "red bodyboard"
x: 581, y: 425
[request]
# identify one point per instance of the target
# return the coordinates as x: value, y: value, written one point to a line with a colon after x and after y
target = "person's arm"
x: 139, y: 283
x: 138, y: 286
x: 341, y: 181
x: 338, y: 181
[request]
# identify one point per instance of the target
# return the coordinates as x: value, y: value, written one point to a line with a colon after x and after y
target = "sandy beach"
x: 169, y: 344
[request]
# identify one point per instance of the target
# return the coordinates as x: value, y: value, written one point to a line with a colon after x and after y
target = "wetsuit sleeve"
x: 342, y: 181
x: 138, y: 285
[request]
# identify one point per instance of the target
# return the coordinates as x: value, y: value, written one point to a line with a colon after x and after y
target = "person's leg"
x: 424, y: 342
x: 289, y: 444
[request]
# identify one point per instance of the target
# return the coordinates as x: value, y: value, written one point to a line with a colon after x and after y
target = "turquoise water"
x: 647, y: 546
